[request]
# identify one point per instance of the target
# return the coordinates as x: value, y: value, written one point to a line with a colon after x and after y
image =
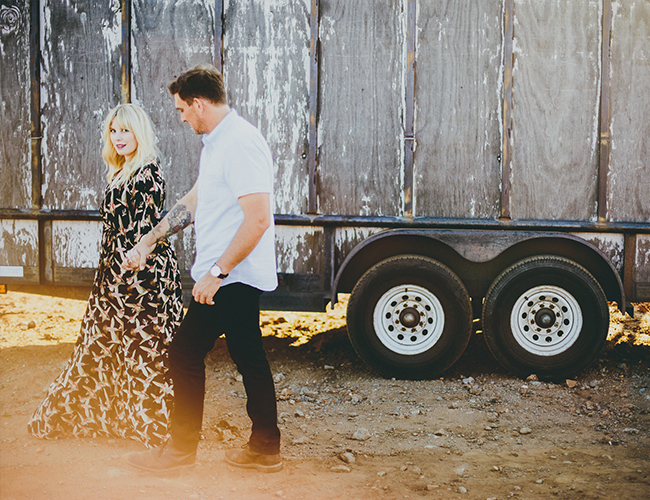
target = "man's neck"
x: 217, y: 112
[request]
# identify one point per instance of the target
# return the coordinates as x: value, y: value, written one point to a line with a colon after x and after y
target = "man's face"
x: 191, y: 113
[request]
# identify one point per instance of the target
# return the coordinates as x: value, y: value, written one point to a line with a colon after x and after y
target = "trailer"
x: 453, y: 165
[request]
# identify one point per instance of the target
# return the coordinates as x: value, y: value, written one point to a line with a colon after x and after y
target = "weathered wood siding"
x: 458, y: 103
x: 266, y: 72
x: 629, y: 172
x: 15, y: 157
x: 80, y: 82
x: 363, y: 84
x: 360, y: 130
x: 168, y: 38
x: 555, y: 109
x: 19, y: 251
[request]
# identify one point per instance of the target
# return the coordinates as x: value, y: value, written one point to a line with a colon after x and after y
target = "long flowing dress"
x: 115, y: 383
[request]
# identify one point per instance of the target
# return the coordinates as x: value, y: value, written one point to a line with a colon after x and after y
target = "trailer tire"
x: 409, y: 317
x: 545, y: 315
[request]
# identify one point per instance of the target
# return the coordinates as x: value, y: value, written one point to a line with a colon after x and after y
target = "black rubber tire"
x: 432, y: 284
x: 526, y: 290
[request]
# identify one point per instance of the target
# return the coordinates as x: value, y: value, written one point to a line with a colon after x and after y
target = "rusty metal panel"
x: 266, y: 71
x: 75, y: 251
x: 19, y: 251
x: 360, y: 129
x: 346, y: 238
x: 15, y: 170
x: 611, y: 244
x: 170, y: 37
x: 300, y: 249
x: 555, y: 109
x: 76, y: 243
x: 642, y: 268
x: 629, y: 170
x: 458, y: 105
x: 80, y: 82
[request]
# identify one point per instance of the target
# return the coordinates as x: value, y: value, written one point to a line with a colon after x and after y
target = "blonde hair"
x: 132, y: 118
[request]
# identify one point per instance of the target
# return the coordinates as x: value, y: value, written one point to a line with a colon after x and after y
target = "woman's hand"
x: 136, y: 258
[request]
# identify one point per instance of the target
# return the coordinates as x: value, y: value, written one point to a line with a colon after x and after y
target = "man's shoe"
x: 251, y: 460
x: 162, y: 458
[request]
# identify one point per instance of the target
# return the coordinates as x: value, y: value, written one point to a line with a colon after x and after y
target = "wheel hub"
x: 546, y: 320
x: 408, y: 319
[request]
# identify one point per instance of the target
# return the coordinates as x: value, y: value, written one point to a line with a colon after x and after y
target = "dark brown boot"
x: 163, y: 458
x: 248, y: 459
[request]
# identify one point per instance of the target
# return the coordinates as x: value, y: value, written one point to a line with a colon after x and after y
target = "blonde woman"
x: 115, y: 384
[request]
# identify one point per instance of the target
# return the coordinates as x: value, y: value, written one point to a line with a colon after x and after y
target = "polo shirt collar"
x: 211, y: 137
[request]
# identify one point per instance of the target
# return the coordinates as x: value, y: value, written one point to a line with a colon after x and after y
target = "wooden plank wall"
x: 360, y: 130
x: 15, y: 158
x: 629, y: 169
x: 362, y: 53
x: 555, y: 110
x: 458, y: 138
x: 266, y: 71
x: 80, y: 82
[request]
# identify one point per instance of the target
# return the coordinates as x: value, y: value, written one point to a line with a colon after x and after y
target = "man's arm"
x: 178, y: 218
x: 257, y: 219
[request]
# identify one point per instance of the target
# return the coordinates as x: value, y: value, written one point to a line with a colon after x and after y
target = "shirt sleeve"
x: 251, y: 168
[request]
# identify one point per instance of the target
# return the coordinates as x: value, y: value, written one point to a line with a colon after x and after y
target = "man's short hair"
x: 200, y: 82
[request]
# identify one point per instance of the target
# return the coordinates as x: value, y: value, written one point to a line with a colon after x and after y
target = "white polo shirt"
x: 235, y: 161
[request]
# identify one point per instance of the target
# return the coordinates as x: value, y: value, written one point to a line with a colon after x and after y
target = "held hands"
x: 136, y: 258
x: 205, y: 288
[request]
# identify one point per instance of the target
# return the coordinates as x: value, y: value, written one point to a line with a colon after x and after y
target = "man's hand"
x: 205, y: 288
x: 136, y: 258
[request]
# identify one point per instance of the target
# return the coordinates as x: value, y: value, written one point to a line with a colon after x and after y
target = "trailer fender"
x: 478, y: 256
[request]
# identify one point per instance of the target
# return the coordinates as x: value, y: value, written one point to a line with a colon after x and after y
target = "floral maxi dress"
x: 115, y: 383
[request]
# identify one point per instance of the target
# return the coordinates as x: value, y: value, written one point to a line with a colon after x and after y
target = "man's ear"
x: 198, y: 104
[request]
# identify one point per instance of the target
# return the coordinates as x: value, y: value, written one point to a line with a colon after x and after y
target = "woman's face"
x: 123, y: 140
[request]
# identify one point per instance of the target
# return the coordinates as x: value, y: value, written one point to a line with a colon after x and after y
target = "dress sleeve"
x: 146, y: 198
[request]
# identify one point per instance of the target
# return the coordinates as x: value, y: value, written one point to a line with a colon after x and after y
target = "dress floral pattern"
x: 115, y: 384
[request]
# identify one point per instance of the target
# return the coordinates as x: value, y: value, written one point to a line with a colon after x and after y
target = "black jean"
x: 236, y: 313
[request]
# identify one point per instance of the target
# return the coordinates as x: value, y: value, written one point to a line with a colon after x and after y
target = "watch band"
x: 215, y: 271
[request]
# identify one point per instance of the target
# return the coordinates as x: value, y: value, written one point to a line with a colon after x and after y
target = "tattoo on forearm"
x: 179, y: 217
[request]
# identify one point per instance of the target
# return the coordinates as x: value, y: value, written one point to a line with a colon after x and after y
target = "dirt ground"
x: 477, y: 433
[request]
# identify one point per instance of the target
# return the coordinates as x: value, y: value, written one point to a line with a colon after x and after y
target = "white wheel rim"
x: 408, y: 319
x: 546, y: 320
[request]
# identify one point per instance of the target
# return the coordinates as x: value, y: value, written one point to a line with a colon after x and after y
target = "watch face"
x: 215, y: 271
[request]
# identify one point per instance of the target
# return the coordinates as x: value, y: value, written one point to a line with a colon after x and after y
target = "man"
x: 230, y: 206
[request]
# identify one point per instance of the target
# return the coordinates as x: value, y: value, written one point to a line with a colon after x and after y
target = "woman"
x: 115, y: 383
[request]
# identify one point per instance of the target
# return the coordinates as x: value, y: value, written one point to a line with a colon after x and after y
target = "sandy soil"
x: 478, y: 433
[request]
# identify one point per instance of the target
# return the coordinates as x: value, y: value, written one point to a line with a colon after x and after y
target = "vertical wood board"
x: 458, y: 105
x: 170, y: 37
x: 629, y: 168
x: 80, y: 83
x: 15, y: 168
x: 555, y: 110
x: 361, y: 124
x: 266, y: 71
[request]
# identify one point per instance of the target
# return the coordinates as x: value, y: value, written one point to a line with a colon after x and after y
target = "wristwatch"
x: 215, y: 271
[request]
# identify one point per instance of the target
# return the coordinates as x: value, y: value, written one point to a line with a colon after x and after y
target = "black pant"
x: 236, y: 313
